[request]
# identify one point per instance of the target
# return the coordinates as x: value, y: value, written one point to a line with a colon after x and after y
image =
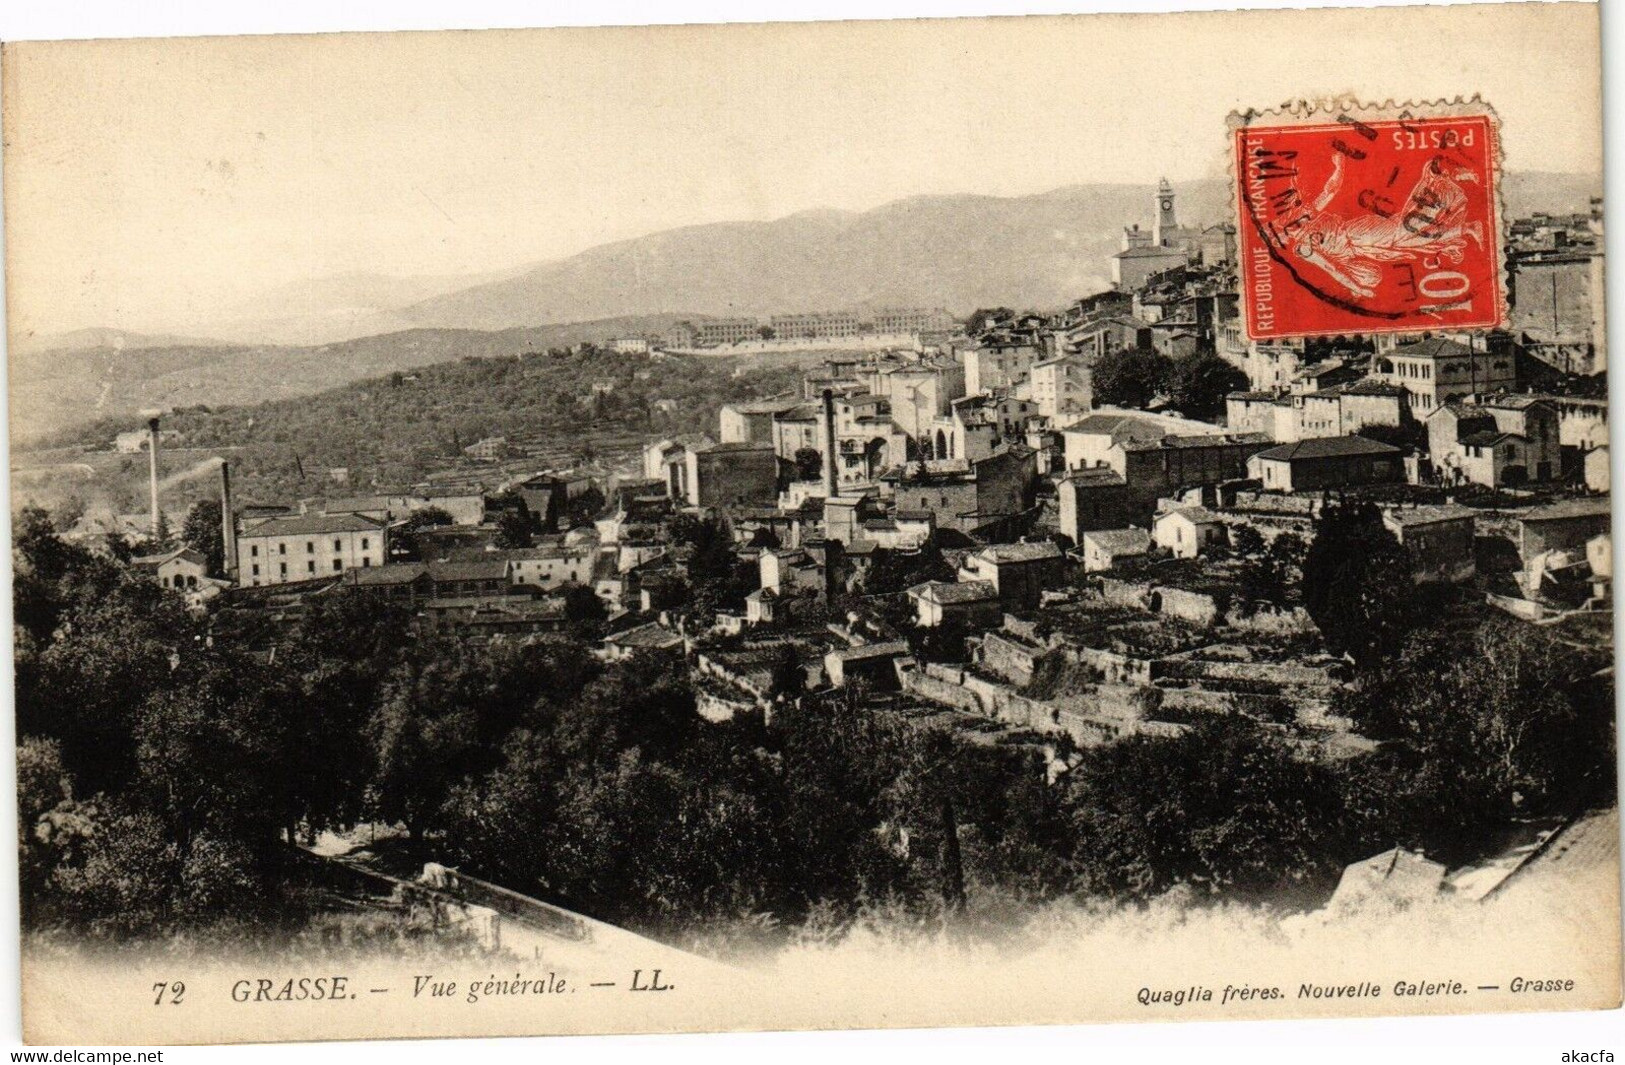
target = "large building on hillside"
x: 1439, y: 369
x: 818, y: 325
x: 1167, y: 244
x: 912, y: 320
x: 710, y: 332
x: 307, y: 547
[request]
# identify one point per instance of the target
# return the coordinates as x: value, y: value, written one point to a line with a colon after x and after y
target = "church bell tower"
x: 1162, y: 229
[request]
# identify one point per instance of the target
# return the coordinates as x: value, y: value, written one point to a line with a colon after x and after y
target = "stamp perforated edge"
x: 1307, y: 110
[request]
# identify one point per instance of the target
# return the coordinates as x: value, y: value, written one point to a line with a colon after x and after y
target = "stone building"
x: 975, y: 602
x: 549, y: 566
x: 1436, y: 370
x: 1166, y: 245
x: 1439, y: 540
x: 874, y: 663
x: 1018, y: 572
x: 720, y: 475
x: 1062, y: 387
x: 999, y: 360
x: 1562, y: 526
x: 179, y: 569
x: 307, y: 547
x: 1097, y: 440
x: 1371, y: 402
x: 751, y: 421
x: 1330, y: 462
x: 1105, y: 548
x: 1503, y: 440
x: 919, y: 393
x: 1105, y: 333
x: 1186, y: 531
x: 1557, y: 306
x: 817, y: 325
x: 666, y: 461
x: 714, y: 331
x: 966, y: 495
x: 1097, y: 499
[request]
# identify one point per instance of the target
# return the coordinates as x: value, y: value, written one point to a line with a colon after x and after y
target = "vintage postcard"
x: 859, y: 524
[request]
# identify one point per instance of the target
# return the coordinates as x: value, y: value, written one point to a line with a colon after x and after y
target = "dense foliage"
x: 164, y: 769
x: 398, y: 429
x: 1357, y: 583
x: 1195, y: 384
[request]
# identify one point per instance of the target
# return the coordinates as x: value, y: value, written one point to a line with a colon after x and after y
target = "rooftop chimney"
x: 831, y: 480
x: 228, y: 523
x: 152, y: 468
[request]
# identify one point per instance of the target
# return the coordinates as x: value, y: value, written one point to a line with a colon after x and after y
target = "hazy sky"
x: 149, y: 184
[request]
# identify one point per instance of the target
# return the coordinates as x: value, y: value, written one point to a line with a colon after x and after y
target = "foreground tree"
x: 201, y: 531
x: 1357, y: 584
x: 1503, y: 721
x: 1226, y: 808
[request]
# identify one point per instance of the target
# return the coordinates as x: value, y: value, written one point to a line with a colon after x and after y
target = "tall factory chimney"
x: 228, y: 523
x: 152, y: 467
x: 831, y: 480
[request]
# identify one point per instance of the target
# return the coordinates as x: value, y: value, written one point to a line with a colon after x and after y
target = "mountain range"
x: 958, y: 252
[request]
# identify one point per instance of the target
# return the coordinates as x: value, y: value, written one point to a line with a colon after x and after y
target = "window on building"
x: 338, y: 565
x: 254, y: 551
x: 338, y: 545
x: 366, y: 563
x: 310, y: 567
x: 282, y: 568
x: 310, y: 547
x: 364, y: 543
x: 281, y: 549
x: 256, y: 571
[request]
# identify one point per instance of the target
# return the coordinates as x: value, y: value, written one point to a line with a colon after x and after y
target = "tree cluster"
x: 1195, y: 384
x: 164, y: 770
x: 400, y: 429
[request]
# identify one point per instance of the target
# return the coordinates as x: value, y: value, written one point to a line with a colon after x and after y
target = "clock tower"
x: 1165, y: 225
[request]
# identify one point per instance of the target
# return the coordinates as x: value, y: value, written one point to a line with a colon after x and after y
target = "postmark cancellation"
x: 1356, y: 218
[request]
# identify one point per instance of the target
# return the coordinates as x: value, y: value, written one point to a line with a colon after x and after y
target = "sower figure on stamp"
x: 1431, y: 223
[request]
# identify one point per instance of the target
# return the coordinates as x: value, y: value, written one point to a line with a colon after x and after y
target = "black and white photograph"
x: 914, y: 523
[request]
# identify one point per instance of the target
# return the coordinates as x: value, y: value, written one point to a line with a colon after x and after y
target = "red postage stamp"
x: 1368, y: 221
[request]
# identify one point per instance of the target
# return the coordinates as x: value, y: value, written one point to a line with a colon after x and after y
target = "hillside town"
x: 1053, y: 532
x: 994, y: 452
